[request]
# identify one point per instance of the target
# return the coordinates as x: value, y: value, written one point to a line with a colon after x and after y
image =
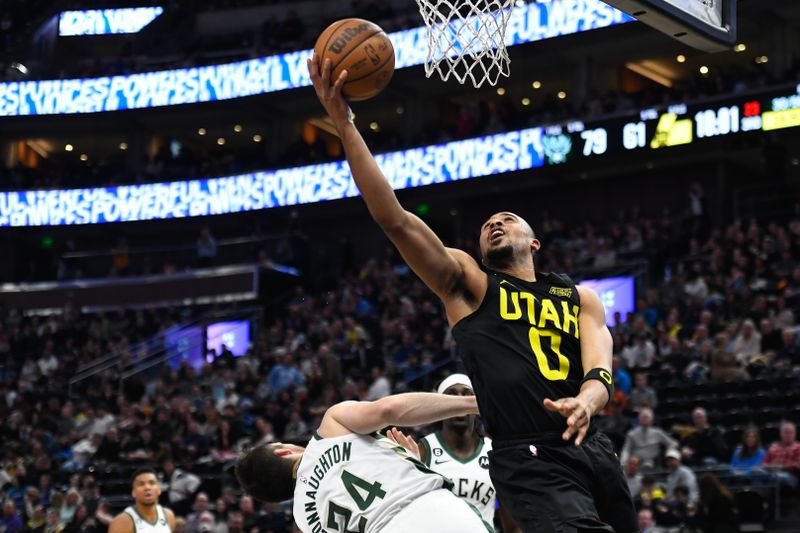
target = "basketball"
x: 363, y: 49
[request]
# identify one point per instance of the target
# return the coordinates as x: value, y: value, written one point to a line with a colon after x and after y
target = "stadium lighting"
x: 201, y: 131
x: 237, y: 128
x: 761, y: 60
x: 681, y: 58
x: 123, y: 146
x: 69, y: 148
x: 221, y: 141
x: 501, y: 91
x: 20, y: 67
x: 704, y: 70
x: 741, y: 47
x: 561, y: 95
x: 374, y: 126
x: 400, y: 110
x: 257, y: 138
x: 526, y: 101
x: 536, y: 85
x: 84, y: 157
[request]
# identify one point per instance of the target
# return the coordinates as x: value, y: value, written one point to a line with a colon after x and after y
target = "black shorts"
x: 551, y: 486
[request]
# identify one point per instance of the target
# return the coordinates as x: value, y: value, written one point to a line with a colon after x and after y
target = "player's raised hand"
x: 577, y: 413
x: 329, y: 91
x: 405, y: 441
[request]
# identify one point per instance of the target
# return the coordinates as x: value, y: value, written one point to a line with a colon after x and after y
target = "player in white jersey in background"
x: 460, y: 453
x: 145, y: 515
x: 351, y: 479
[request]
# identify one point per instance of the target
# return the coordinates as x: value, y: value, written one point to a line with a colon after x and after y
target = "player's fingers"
x: 337, y: 86
x: 325, y: 72
x: 581, y: 434
x: 550, y: 405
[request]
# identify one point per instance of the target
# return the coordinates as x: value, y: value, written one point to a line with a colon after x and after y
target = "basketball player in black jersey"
x: 535, y: 346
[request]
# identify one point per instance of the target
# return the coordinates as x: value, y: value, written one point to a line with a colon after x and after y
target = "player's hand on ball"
x: 405, y: 441
x: 577, y: 413
x: 329, y: 91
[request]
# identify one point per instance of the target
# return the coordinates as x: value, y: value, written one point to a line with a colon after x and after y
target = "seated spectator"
x: 642, y: 395
x: 181, y: 486
x: 283, y: 375
x: 789, y: 350
x: 784, y: 456
x: 706, y: 444
x: 646, y: 521
x: 380, y: 386
x: 633, y: 476
x: 747, y: 343
x: 680, y: 475
x: 678, y: 511
x: 647, y: 441
x: 12, y: 520
x: 622, y: 379
x: 725, y: 367
x: 716, y: 512
x: 650, y: 495
x: 641, y: 353
x: 770, y: 337
x: 749, y: 455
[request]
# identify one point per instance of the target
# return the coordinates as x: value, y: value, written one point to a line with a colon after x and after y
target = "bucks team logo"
x: 483, y: 461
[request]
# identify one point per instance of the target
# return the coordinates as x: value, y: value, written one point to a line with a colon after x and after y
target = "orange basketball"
x: 363, y: 49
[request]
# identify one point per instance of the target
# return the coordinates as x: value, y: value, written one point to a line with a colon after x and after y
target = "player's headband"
x: 454, y: 379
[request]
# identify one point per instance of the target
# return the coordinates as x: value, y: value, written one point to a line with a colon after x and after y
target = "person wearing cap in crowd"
x: 459, y: 452
x: 680, y: 475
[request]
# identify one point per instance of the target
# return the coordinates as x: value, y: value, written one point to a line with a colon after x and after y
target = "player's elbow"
x: 393, y: 223
x: 387, y: 410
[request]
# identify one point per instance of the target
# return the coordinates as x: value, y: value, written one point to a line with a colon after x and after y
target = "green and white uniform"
x: 369, y: 484
x: 141, y: 524
x: 470, y: 476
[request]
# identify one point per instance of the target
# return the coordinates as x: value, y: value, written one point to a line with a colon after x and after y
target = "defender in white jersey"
x: 460, y: 453
x: 350, y: 479
x: 145, y: 515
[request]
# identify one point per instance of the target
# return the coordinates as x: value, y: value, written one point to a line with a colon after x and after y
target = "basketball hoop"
x: 466, y: 39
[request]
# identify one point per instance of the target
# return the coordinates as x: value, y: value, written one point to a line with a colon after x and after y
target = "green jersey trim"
x: 451, y: 453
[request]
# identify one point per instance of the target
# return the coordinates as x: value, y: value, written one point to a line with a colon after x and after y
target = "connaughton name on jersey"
x: 336, y: 454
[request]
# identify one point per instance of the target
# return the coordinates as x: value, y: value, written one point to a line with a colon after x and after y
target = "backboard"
x: 708, y: 25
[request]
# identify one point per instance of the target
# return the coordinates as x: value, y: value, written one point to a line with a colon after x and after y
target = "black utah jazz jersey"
x: 520, y: 346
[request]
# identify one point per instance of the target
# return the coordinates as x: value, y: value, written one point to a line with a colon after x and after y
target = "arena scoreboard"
x: 655, y: 129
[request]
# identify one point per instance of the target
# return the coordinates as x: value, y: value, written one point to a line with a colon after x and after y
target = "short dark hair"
x: 264, y: 475
x: 142, y: 470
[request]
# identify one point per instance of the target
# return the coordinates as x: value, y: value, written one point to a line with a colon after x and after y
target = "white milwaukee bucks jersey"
x: 470, y: 477
x: 141, y: 525
x: 357, y: 483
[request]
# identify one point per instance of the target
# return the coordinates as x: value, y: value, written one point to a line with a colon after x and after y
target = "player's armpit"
x: 596, y: 346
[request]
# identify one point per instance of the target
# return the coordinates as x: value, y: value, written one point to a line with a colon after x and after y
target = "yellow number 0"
x: 555, y: 344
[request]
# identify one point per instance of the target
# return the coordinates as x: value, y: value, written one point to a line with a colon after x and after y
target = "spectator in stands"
x: 706, y: 444
x: 716, y: 511
x: 784, y: 456
x: 770, y: 337
x: 680, y: 475
x: 641, y: 353
x: 747, y: 343
x: 12, y: 520
x: 749, y: 455
x: 633, y: 476
x: 650, y: 495
x: 206, y: 248
x: 642, y: 394
x: 789, y: 351
x: 646, y: 522
x: 200, y: 506
x: 180, y: 487
x: 283, y: 375
x: 236, y: 522
x: 380, y: 386
x: 678, y: 511
x: 646, y: 441
x: 622, y: 379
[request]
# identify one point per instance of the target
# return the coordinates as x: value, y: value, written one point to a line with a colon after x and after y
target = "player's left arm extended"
x: 409, y: 409
x: 596, y: 353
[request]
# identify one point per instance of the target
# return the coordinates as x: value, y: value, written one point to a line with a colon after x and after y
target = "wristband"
x: 603, y: 376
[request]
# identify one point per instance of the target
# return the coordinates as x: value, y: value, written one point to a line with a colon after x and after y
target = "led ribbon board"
x: 106, y: 21
x: 532, y: 22
x: 460, y: 160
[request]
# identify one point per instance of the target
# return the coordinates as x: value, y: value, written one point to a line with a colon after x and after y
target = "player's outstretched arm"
x: 441, y: 269
x: 596, y: 352
x: 409, y: 409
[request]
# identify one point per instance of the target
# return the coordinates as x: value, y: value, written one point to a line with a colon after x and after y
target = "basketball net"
x: 466, y: 39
